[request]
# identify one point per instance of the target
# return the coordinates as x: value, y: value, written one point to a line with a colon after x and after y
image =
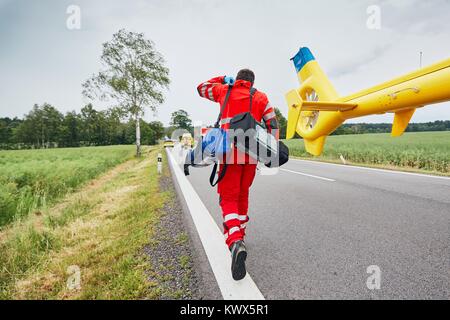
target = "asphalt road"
x: 316, y: 228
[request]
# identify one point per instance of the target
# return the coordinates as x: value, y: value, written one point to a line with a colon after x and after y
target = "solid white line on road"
x: 309, y: 175
x: 213, y: 243
x: 374, y: 169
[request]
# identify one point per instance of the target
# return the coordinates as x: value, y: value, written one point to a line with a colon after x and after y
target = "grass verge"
x: 90, y: 246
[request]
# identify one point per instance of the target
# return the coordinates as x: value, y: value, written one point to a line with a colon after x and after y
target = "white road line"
x: 213, y: 242
x: 374, y: 169
x: 309, y: 175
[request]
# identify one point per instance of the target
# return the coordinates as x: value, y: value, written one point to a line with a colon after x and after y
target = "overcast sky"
x: 41, y: 60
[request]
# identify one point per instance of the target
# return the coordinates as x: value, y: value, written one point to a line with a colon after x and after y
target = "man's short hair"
x: 247, y: 75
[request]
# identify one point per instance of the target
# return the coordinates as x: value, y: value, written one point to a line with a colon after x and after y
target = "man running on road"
x: 234, y: 188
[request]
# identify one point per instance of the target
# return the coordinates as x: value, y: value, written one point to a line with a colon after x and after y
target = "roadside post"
x: 159, y: 163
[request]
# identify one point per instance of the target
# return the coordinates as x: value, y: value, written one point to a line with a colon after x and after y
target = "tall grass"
x: 103, y: 232
x: 427, y: 151
x: 32, y: 179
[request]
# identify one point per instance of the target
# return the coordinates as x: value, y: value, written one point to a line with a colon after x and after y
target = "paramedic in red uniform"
x: 234, y: 187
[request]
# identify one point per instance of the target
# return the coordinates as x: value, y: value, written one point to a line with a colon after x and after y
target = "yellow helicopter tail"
x: 315, y: 94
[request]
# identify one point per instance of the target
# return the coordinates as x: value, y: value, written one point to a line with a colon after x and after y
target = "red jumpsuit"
x: 234, y: 187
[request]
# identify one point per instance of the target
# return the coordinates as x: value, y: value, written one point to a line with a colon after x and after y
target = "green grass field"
x: 30, y: 180
x: 422, y: 151
x: 105, y: 229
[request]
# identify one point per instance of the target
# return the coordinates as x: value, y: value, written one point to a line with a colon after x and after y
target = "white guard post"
x: 159, y: 163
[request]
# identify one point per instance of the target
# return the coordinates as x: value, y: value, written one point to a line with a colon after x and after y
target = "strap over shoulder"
x: 252, y: 93
x: 222, y: 108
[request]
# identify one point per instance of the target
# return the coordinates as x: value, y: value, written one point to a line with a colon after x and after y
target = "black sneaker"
x: 238, y: 257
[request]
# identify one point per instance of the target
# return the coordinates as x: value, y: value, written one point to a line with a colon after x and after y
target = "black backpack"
x: 256, y: 141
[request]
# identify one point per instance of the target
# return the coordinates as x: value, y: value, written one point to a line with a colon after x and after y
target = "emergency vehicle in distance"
x: 168, y: 143
x: 316, y: 110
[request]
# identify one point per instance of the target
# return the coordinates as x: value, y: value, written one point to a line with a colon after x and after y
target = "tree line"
x: 361, y: 128
x: 45, y: 127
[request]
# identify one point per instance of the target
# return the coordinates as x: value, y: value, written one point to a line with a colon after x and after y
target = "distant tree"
x: 70, y: 130
x: 95, y: 126
x: 282, y: 123
x: 115, y: 128
x: 134, y: 76
x: 180, y: 120
x: 41, y: 126
x: 51, y: 121
x: 5, y: 132
x: 148, y: 134
x: 89, y: 130
x: 26, y: 133
x: 158, y: 131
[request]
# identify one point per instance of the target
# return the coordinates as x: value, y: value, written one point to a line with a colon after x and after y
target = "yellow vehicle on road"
x: 169, y: 144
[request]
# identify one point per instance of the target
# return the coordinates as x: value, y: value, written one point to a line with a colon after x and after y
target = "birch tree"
x: 133, y: 75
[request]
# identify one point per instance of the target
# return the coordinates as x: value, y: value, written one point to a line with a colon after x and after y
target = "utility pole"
x: 421, y: 57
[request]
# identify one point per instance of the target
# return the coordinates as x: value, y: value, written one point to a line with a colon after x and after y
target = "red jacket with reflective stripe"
x: 239, y: 100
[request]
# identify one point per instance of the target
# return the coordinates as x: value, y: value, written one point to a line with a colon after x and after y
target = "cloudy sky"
x: 41, y: 60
